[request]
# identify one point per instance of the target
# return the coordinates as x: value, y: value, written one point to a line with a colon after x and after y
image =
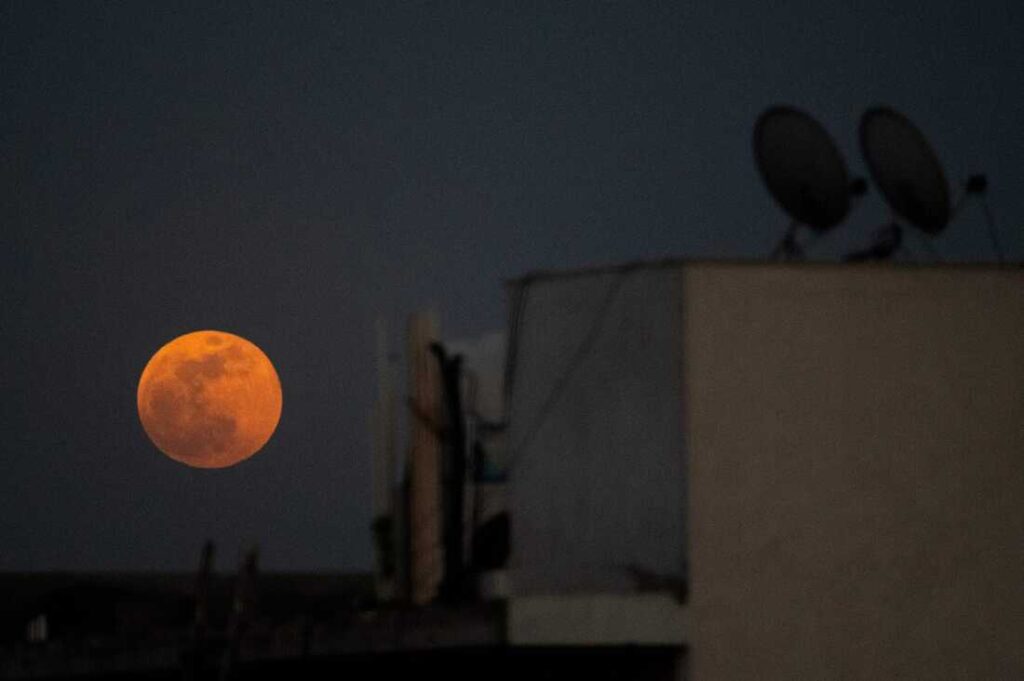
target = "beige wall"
x: 856, y: 437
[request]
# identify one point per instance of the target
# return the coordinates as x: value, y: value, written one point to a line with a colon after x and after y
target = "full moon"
x: 209, y: 399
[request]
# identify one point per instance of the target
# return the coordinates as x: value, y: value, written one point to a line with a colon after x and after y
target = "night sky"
x: 288, y: 172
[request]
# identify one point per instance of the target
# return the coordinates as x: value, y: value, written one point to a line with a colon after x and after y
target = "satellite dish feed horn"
x: 805, y: 173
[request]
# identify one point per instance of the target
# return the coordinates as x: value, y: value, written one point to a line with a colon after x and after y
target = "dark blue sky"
x: 289, y: 171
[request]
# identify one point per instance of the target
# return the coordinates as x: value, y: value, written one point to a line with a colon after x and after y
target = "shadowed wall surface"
x: 595, y: 458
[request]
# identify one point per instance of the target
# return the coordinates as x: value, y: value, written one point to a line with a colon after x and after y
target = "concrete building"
x: 824, y: 464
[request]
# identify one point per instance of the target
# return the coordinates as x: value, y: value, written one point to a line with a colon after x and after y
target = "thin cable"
x: 574, y: 362
x: 958, y: 205
x: 992, y: 231
x: 512, y: 353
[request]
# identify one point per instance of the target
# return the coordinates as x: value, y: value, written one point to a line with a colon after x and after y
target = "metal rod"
x: 992, y: 232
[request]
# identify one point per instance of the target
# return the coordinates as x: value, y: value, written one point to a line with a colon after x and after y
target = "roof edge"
x: 667, y: 263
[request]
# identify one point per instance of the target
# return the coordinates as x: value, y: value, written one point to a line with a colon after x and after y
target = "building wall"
x: 595, y: 448
x: 856, y: 437
x: 651, y: 619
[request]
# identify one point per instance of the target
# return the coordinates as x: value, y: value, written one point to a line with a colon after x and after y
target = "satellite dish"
x: 803, y: 168
x: 905, y: 168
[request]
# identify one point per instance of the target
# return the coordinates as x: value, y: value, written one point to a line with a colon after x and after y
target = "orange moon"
x: 209, y: 399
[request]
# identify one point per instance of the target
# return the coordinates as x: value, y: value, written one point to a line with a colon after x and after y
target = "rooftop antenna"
x: 805, y: 173
x: 908, y: 173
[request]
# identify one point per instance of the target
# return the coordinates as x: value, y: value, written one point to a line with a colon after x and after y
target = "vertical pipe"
x: 424, y: 461
x: 453, y: 588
